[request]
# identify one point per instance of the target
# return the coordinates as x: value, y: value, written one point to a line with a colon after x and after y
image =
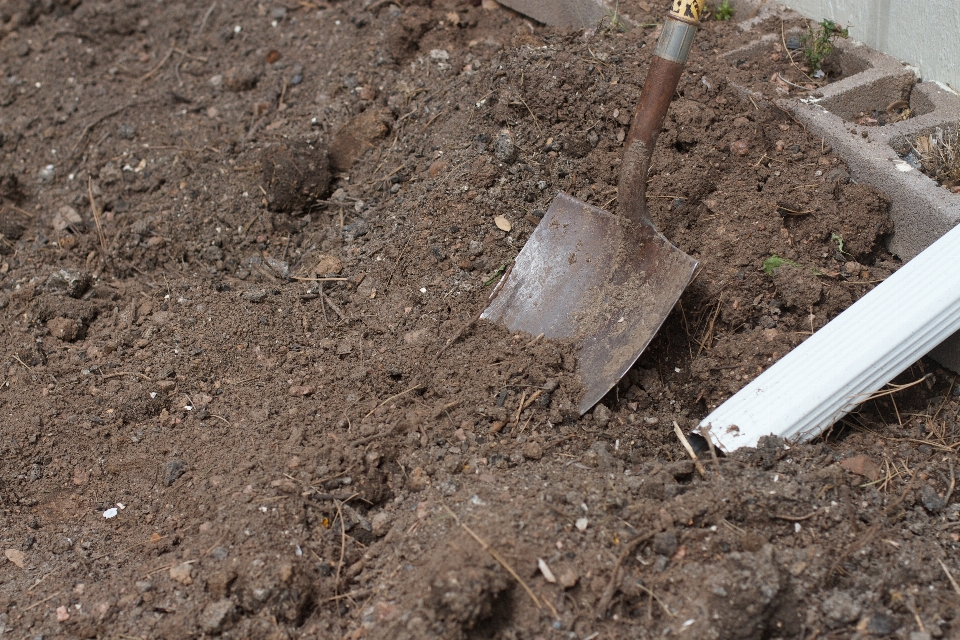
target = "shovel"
x: 606, y: 283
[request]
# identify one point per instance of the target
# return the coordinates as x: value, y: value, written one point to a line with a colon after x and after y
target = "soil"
x: 243, y: 393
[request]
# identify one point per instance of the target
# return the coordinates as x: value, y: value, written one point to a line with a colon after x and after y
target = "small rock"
x: 740, y: 147
x: 299, y: 391
x: 166, y: 386
x: 356, y: 136
x: 66, y: 329
x: 215, y: 615
x: 182, y: 573
x: 328, y: 265
x: 68, y: 282
x: 582, y: 524
x: 66, y: 217
x: 143, y: 585
x: 504, y: 148
x: 240, y: 78
x: 16, y: 557
x: 840, y: 609
x: 568, y: 578
x: 931, y: 500
x: 665, y: 543
x: 47, y: 174
x: 878, y: 624
x: 255, y: 296
x: 418, y: 479
x: 862, y: 465
x: 532, y: 451
x: 62, y: 615
x: 381, y: 523
x: 173, y: 470
x: 602, y: 415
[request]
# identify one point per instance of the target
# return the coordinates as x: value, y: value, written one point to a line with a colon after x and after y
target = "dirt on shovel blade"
x: 199, y: 436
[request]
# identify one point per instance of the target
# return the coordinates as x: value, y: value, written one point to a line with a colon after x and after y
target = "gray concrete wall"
x: 923, y: 33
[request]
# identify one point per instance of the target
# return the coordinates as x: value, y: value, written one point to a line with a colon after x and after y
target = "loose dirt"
x: 242, y: 392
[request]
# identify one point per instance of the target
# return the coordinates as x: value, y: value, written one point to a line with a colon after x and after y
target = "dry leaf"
x: 502, y: 223
x: 16, y: 557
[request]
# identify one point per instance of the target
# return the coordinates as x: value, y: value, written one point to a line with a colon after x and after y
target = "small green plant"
x: 818, y: 44
x: 773, y: 262
x: 724, y: 10
x: 839, y: 240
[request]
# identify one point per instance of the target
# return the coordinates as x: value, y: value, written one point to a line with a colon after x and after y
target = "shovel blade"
x: 587, y: 276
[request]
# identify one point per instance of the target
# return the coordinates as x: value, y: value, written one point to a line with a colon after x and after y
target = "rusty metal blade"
x: 597, y: 280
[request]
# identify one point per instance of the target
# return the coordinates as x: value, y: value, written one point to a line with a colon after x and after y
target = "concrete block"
x: 920, y: 209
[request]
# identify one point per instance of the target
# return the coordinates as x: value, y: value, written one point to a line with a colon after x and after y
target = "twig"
x: 659, y: 601
x: 394, y: 397
x: 686, y: 445
x: 86, y: 129
x: 523, y: 397
x: 37, y: 604
x: 459, y: 333
x: 496, y: 556
x: 96, y: 219
x: 301, y: 279
x: 604, y: 604
x: 794, y: 518
x: 956, y: 587
x: 162, y: 62
x: 953, y: 484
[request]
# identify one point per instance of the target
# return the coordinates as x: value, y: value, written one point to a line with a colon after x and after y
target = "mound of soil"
x: 244, y: 392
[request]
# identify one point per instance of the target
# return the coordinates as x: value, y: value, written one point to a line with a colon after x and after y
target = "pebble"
x: 602, y: 415
x: 241, y: 78
x: 381, y: 523
x: 68, y: 282
x: 299, y: 391
x: 931, y: 500
x: 62, y: 615
x: 15, y: 556
x: 215, y: 615
x: 532, y: 451
x: 862, y: 465
x: 582, y: 524
x: 665, y: 543
x: 418, y: 479
x: 740, y: 147
x: 504, y: 148
x: 47, y: 174
x: 182, y: 573
x: 173, y: 470
x: 255, y: 296
x: 144, y: 585
x: 568, y: 578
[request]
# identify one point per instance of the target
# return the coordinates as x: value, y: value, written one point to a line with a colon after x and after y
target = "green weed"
x: 818, y: 44
x: 724, y: 10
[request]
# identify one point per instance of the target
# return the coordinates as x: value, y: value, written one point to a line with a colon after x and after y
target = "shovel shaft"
x: 661, y: 82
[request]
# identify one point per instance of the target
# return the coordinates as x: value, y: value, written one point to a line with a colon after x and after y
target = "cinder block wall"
x: 923, y: 33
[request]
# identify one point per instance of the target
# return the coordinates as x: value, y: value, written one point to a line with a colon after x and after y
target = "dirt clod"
x: 294, y: 175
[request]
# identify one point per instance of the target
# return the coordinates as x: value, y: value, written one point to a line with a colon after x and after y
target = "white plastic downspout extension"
x: 854, y: 355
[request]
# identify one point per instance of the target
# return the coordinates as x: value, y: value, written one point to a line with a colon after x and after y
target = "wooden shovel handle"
x: 658, y: 88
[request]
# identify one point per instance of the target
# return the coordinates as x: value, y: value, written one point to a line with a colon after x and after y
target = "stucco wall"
x: 924, y: 33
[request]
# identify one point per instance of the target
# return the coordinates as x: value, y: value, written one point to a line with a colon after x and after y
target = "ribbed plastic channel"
x: 854, y: 355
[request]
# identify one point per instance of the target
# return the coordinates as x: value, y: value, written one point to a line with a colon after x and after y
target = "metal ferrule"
x: 675, y: 40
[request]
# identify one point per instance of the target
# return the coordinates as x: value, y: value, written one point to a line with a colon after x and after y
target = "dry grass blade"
x: 686, y: 445
x: 496, y: 556
x: 953, y: 582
